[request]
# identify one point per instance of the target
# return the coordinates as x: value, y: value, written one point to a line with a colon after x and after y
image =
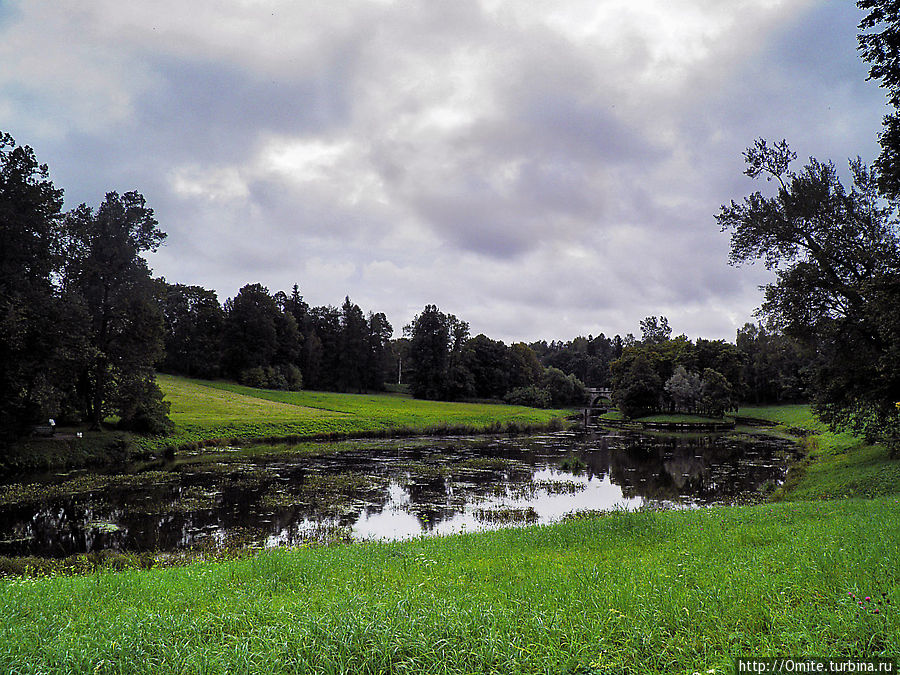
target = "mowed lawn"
x: 206, y: 410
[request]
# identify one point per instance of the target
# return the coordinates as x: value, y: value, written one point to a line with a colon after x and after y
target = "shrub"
x: 275, y: 379
x: 558, y: 385
x: 253, y: 377
x: 285, y: 377
x: 292, y: 376
x: 579, y: 391
x: 563, y: 389
x: 142, y: 408
x: 531, y: 396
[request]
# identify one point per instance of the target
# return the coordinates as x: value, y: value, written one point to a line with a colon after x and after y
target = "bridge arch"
x: 595, y: 395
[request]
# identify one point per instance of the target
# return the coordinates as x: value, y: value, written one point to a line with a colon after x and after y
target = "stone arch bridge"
x: 598, y: 398
x: 598, y: 402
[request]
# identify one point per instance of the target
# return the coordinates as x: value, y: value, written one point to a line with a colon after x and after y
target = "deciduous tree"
x: 684, y: 389
x: 30, y: 224
x: 655, y: 330
x: 194, y: 322
x: 106, y: 274
x: 837, y: 281
x: 637, y: 389
x: 880, y: 46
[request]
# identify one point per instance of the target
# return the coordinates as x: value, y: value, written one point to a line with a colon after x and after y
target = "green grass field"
x: 797, y: 415
x: 665, y: 418
x: 204, y: 411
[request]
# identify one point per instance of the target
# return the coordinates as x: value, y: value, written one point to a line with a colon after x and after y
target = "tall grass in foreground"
x: 638, y: 592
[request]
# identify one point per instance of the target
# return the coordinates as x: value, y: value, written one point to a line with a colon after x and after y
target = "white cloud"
x: 212, y: 185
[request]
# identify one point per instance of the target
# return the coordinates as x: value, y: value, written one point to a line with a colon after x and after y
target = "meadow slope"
x: 207, y: 411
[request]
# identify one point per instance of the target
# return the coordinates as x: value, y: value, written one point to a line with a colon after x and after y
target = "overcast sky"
x: 539, y: 169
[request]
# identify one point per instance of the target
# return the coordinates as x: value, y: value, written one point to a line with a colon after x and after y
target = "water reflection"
x: 385, y: 489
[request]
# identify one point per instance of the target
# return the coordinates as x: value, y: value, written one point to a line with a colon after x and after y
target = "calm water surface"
x: 389, y: 489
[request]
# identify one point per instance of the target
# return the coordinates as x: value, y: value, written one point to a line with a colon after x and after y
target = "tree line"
x: 655, y: 373
x: 274, y: 341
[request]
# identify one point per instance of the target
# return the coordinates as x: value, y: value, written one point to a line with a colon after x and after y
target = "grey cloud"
x: 806, y: 81
x: 556, y: 187
x: 576, y: 129
x: 218, y: 111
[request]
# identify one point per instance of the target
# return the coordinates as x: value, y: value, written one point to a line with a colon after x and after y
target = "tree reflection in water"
x: 392, y: 489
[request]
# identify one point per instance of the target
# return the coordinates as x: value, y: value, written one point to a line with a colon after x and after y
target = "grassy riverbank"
x: 674, y: 418
x: 644, y: 592
x: 627, y: 592
x: 835, y: 465
x: 215, y: 413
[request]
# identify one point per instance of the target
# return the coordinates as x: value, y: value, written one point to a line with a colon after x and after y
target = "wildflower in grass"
x: 868, y: 605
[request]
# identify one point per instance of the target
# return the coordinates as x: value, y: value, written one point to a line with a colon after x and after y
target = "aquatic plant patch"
x: 506, y: 515
x: 487, y: 464
x: 18, y: 493
x: 327, y: 494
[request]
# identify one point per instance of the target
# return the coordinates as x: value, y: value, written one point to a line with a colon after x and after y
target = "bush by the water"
x: 556, y: 390
x: 143, y: 408
x: 533, y: 397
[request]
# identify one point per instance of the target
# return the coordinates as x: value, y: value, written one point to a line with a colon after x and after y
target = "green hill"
x: 207, y: 411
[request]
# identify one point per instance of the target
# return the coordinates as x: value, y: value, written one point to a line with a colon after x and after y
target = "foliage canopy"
x: 837, y: 280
